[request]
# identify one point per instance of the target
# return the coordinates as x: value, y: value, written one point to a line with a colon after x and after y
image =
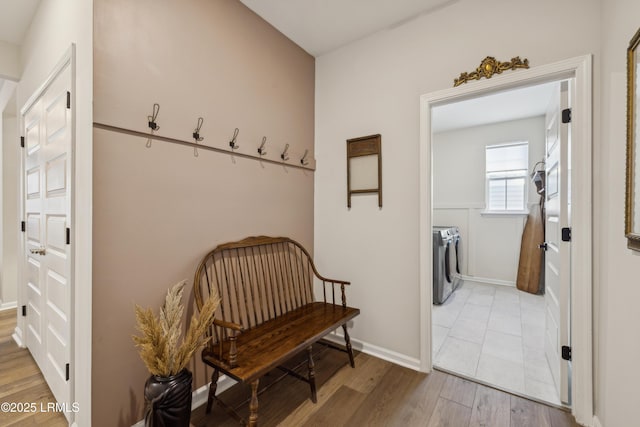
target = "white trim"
x: 488, y: 281
x: 596, y: 421
x: 8, y: 305
x: 461, y: 205
x: 580, y: 69
x: 17, y: 337
x: 379, y: 352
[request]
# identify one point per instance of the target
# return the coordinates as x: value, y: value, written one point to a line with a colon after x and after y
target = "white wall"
x: 9, y: 61
x: 617, y: 268
x: 56, y: 25
x: 491, y: 243
x: 373, y: 86
x: 10, y: 163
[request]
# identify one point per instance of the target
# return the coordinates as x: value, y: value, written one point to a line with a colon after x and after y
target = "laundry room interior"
x: 488, y: 174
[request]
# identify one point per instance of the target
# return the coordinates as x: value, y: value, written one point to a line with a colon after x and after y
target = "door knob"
x: 39, y: 251
x: 543, y: 246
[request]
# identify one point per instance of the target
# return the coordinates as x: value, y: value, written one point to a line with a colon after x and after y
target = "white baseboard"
x: 8, y: 305
x: 596, y: 422
x: 379, y: 352
x: 17, y: 337
x: 488, y: 281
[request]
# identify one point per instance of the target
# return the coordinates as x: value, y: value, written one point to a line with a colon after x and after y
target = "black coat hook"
x: 152, y: 118
x: 196, y: 135
x: 232, y: 143
x: 261, y: 149
x: 303, y: 160
x: 196, y: 132
x: 284, y: 156
x: 152, y: 122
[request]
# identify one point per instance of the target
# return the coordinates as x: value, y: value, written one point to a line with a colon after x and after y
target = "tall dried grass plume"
x: 159, y: 343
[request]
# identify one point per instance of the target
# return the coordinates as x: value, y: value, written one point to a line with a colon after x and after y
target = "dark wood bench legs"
x: 253, y: 405
x: 212, y: 389
x: 347, y: 341
x: 312, y: 376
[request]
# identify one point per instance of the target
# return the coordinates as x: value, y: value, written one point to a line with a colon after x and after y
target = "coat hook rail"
x: 202, y: 147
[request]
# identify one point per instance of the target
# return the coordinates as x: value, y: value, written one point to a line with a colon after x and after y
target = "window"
x: 507, y: 167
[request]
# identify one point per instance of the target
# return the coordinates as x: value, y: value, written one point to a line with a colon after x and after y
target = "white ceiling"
x: 319, y: 26
x: 15, y: 18
x: 495, y: 108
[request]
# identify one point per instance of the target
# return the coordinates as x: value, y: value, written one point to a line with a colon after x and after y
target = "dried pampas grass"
x: 159, y: 343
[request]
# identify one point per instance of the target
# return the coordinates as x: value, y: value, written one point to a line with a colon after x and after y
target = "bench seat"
x: 272, y: 343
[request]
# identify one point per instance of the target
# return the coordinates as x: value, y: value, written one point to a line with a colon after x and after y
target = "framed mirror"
x: 632, y: 211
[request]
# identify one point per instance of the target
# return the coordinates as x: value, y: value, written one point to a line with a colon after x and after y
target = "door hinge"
x: 566, y: 115
x: 22, y: 141
x: 68, y: 236
x: 566, y: 352
x: 24, y: 311
x: 23, y: 226
x: 68, y: 99
x: 566, y: 234
x: 67, y: 371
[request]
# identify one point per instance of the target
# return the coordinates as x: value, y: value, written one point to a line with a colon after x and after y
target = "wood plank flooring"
x: 379, y: 393
x: 375, y: 393
x: 22, y: 381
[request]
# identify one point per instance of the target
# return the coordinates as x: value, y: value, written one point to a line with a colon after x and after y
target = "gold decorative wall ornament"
x: 490, y: 66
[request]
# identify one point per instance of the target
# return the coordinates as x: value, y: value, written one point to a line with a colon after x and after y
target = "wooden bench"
x: 268, y: 312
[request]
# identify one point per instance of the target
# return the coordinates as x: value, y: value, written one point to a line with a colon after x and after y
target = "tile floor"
x: 494, y: 334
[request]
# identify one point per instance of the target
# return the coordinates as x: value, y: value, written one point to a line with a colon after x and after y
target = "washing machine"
x: 447, y: 262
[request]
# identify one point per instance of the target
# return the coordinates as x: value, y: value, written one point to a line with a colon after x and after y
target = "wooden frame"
x: 362, y: 148
x: 632, y: 200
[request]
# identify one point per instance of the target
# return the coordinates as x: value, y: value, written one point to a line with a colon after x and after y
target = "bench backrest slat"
x: 258, y: 279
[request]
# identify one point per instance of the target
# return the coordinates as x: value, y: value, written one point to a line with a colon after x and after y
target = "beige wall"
x: 9, y: 61
x: 10, y: 168
x: 617, y: 291
x: 374, y: 86
x: 158, y: 210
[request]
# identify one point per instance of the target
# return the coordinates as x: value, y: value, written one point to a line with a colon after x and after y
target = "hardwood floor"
x: 379, y: 393
x: 22, y: 382
x: 375, y: 393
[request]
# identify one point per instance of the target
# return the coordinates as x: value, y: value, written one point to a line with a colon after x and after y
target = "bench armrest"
x: 234, y: 329
x: 228, y: 325
x: 340, y: 282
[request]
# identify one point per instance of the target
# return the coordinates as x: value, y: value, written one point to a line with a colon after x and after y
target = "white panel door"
x: 47, y: 204
x: 557, y: 255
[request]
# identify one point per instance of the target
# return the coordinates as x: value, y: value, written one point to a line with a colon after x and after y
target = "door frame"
x: 580, y: 69
x: 79, y: 317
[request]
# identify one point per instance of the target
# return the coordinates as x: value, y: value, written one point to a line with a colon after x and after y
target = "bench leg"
x: 253, y: 405
x: 312, y: 376
x: 347, y: 341
x: 212, y: 388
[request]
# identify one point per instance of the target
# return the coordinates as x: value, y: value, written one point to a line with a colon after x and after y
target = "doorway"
x: 581, y: 315
x: 46, y: 256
